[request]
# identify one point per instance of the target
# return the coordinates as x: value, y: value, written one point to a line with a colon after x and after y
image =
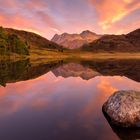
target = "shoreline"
x: 54, y: 55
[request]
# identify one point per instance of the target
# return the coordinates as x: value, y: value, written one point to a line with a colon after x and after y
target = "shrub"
x: 12, y: 43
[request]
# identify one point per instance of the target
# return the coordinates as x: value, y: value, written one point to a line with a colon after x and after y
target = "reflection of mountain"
x: 90, y: 69
x: 75, y: 70
x: 34, y: 71
x: 23, y: 70
x: 128, y: 68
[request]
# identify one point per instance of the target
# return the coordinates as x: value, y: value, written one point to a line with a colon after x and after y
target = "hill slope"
x: 74, y: 41
x: 11, y: 43
x: 34, y: 40
x: 121, y: 43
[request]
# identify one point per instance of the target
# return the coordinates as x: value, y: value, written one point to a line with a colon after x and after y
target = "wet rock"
x: 127, y: 133
x: 123, y: 109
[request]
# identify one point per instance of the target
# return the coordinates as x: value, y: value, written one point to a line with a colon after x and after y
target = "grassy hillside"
x: 18, y: 43
x: 116, y: 43
x: 34, y: 41
x: 11, y: 43
x: 36, y: 47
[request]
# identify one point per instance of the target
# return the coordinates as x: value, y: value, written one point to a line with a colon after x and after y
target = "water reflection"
x: 24, y: 70
x: 127, y: 68
x: 64, y: 103
x: 124, y: 133
x: 75, y: 70
x: 12, y: 71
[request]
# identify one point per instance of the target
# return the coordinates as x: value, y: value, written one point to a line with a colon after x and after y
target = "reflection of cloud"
x: 106, y: 87
x: 9, y: 105
x: 39, y: 103
x: 2, y: 91
x: 118, y: 78
x: 66, y: 106
x: 49, y: 91
x: 63, y: 124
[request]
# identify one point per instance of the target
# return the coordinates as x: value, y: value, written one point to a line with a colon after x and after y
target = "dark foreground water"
x: 62, y: 101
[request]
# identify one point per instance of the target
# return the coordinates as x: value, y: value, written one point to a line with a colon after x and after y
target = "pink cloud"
x: 30, y: 16
x: 109, y: 11
x: 47, y: 17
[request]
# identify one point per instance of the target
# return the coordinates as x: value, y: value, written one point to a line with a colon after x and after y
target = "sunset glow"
x: 102, y: 86
x: 48, y: 17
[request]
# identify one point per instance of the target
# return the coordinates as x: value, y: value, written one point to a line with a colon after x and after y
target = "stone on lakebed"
x: 123, y: 109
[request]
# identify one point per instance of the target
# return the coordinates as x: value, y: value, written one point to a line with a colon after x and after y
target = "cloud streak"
x: 47, y: 17
x: 30, y: 15
x: 110, y: 12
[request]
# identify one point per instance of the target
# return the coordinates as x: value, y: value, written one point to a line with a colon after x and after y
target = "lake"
x: 62, y: 100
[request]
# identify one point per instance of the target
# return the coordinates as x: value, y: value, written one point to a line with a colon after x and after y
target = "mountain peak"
x: 73, y: 41
x: 87, y: 32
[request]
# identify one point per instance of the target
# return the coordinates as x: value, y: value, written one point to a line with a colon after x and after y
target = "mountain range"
x: 21, y: 42
x: 74, y: 41
x: 89, y: 41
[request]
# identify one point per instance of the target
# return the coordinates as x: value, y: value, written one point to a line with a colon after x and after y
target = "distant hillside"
x: 122, y: 43
x: 11, y: 43
x: 34, y: 40
x: 74, y: 41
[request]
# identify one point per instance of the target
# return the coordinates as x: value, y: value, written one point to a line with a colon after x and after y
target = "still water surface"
x: 61, y: 102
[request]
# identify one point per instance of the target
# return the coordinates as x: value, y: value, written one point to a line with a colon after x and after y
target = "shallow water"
x: 62, y: 101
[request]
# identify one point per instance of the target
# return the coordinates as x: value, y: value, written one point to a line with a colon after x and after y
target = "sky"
x: 49, y: 17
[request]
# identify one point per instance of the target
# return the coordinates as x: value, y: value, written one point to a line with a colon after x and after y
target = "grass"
x: 46, y: 55
x: 13, y: 56
x: 77, y: 54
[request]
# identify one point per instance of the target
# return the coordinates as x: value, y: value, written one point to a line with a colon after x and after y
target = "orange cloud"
x: 110, y: 11
x: 47, y: 17
x: 19, y: 22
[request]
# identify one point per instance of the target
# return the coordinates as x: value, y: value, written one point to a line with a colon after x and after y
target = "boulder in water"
x: 123, y: 108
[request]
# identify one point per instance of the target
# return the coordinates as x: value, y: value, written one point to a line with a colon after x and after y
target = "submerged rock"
x: 123, y: 109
